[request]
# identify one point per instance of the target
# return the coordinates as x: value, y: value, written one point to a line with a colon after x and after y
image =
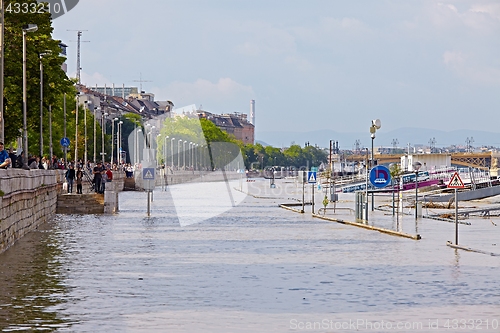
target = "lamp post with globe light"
x: 184, y: 153
x: 179, y: 154
x: 172, y: 152
x: 376, y: 124
x: 416, y: 166
x: 113, y: 138
x: 26, y: 28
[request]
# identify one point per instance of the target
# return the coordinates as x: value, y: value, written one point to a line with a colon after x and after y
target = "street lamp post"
x: 172, y: 152
x: 27, y: 28
x: 113, y: 138
x: 376, y: 124
x: 119, y: 144
x: 184, y: 153
x: 76, y: 128
x: 103, y: 128
x: 165, y: 150
x: 95, y: 139
x: 85, y: 132
x: 41, y: 102
x: 196, y: 156
x: 179, y: 154
x: 137, y: 158
x: 191, y: 148
x: 416, y: 167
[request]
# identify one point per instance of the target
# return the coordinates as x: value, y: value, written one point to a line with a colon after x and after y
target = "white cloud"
x: 225, y: 90
x: 462, y: 66
x: 299, y: 63
x: 264, y: 39
x: 91, y: 80
x: 453, y: 59
x: 483, y: 18
x: 328, y: 28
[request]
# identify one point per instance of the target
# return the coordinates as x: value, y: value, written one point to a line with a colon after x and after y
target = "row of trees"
x: 255, y: 156
x: 55, y: 82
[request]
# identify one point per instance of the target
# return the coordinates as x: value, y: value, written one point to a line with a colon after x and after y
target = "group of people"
x: 102, y: 174
x: 13, y: 159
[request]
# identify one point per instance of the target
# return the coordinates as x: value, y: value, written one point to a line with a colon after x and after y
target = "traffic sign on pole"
x: 456, y: 182
x: 65, y: 142
x: 311, y: 177
x: 380, y: 176
x: 148, y: 174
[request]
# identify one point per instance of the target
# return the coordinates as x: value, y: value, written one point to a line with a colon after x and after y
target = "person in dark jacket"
x: 79, y: 179
x: 70, y: 177
x: 20, y: 160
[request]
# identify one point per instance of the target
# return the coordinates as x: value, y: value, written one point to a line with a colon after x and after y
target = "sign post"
x: 311, y: 179
x: 148, y: 174
x: 380, y: 177
x: 456, y: 183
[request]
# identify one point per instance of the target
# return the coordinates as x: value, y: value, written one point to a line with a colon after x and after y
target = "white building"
x: 429, y: 161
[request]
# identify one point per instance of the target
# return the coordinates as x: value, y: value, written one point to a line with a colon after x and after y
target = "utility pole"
x: 469, y: 142
x: 394, y: 145
x: 140, y: 82
x: 432, y: 144
x: 357, y: 143
x: 78, y: 67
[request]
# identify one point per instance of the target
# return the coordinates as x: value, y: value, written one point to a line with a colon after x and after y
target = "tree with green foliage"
x: 55, y: 80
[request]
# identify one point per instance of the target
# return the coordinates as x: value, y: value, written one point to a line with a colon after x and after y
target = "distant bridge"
x: 475, y: 160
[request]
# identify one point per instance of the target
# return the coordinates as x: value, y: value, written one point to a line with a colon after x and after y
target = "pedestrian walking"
x: 70, y: 177
x: 97, y: 177
x: 79, y: 179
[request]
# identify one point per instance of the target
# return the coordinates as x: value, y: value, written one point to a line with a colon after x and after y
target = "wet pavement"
x: 254, y: 268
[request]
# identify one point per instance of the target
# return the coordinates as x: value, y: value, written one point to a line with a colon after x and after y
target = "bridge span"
x: 480, y: 160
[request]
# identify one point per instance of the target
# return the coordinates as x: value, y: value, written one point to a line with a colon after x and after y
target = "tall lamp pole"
x: 138, y: 157
x: 416, y: 167
x: 172, y: 152
x: 179, y: 154
x: 184, y: 151
x: 41, y: 103
x: 103, y: 130
x: 113, y: 138
x: 86, y: 103
x: 119, y: 144
x: 76, y: 129
x: 95, y: 139
x: 27, y: 28
x: 376, y: 124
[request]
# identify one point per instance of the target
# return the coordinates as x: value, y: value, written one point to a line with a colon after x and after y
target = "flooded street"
x: 254, y: 268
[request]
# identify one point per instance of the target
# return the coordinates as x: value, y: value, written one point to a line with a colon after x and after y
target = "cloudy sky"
x: 310, y: 65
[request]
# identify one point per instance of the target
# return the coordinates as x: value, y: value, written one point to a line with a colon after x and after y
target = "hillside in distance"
x: 405, y: 135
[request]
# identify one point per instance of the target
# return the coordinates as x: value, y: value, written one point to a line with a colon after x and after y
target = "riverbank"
x: 28, y: 199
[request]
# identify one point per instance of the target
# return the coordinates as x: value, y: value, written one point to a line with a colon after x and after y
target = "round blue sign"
x: 380, y: 176
x: 65, y: 142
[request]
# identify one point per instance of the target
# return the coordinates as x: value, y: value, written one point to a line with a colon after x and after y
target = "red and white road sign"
x: 456, y: 182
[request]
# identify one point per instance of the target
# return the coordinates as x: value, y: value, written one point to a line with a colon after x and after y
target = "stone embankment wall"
x: 27, y: 199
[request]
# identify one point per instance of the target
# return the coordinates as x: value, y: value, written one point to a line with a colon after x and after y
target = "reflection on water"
x: 32, y: 283
x: 255, y: 268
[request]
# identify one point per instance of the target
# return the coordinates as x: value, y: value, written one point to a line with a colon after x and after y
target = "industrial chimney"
x: 252, y: 112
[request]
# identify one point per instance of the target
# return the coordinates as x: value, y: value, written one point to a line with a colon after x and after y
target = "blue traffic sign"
x: 65, y: 142
x: 380, y: 176
x: 311, y: 177
x: 148, y: 173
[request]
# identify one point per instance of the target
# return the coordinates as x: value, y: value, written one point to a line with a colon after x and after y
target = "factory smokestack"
x: 252, y: 112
